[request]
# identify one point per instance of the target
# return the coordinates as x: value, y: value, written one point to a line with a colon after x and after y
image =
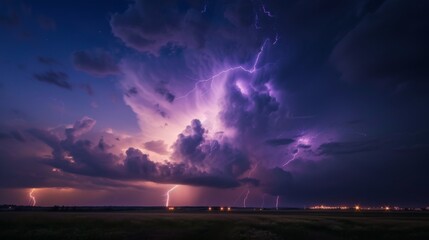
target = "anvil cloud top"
x: 235, y: 103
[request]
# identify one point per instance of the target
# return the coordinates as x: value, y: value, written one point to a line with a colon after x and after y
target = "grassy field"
x: 175, y: 225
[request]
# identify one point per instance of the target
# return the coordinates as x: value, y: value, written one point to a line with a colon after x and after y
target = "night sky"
x: 237, y: 103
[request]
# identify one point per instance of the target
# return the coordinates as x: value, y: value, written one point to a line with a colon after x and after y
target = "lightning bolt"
x: 245, y: 198
x: 292, y: 159
x: 248, y: 189
x: 32, y: 197
x: 301, y: 141
x: 251, y: 70
x: 268, y: 13
x: 277, y: 202
x: 276, y: 39
x: 226, y: 71
x: 167, y: 201
x: 238, y: 198
x: 245, y: 191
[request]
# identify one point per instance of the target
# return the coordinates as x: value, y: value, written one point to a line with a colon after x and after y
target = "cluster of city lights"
x: 323, y: 207
x: 356, y: 207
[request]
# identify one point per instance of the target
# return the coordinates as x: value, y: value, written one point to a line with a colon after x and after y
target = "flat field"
x: 214, y: 225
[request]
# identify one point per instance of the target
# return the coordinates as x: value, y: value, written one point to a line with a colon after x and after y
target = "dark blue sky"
x: 116, y: 102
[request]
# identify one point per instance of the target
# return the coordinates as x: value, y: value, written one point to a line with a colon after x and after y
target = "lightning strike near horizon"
x: 245, y: 198
x: 232, y: 102
x: 249, y: 174
x: 167, y: 201
x: 32, y: 197
x: 277, y: 202
x: 238, y: 198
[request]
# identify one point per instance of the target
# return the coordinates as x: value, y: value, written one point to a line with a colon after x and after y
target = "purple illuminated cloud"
x: 195, y: 161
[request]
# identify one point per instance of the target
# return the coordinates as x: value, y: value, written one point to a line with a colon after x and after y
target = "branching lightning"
x: 301, y: 141
x: 212, y: 78
x: 167, y: 201
x: 293, y: 158
x: 269, y: 14
x: 32, y: 197
x: 251, y: 70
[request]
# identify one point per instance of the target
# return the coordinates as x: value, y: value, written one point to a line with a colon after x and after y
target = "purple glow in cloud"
x: 204, y: 94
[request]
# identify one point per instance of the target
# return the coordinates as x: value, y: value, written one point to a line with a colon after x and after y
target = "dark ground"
x: 214, y: 225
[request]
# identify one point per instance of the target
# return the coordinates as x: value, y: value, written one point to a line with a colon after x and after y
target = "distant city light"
x: 356, y: 207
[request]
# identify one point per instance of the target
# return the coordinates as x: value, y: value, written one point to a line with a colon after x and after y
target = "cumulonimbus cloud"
x: 195, y: 161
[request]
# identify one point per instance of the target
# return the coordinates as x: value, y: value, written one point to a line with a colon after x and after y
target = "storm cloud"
x: 309, y: 102
x: 370, y: 52
x: 196, y: 160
